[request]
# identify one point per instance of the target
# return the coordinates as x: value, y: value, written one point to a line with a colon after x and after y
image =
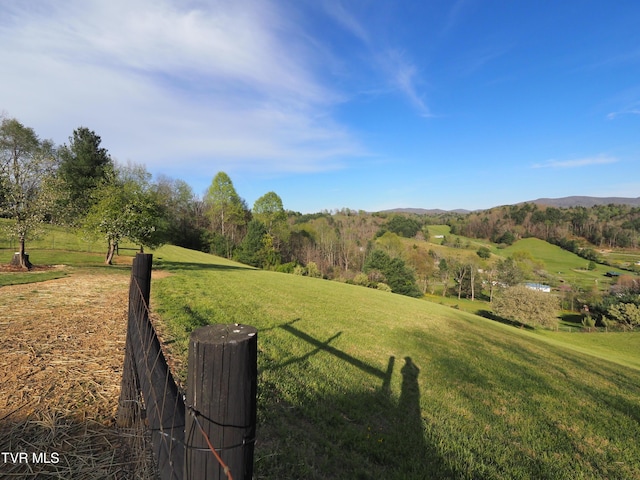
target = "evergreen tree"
x: 396, y: 274
x: 84, y: 164
x: 250, y: 249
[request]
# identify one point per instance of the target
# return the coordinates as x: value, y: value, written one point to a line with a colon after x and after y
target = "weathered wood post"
x: 221, y: 400
x: 128, y: 408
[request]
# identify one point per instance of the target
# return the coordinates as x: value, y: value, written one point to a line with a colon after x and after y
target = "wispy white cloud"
x: 400, y: 73
x: 456, y: 12
x: 630, y: 111
x: 224, y: 84
x: 577, y: 163
x: 404, y: 76
x: 347, y: 20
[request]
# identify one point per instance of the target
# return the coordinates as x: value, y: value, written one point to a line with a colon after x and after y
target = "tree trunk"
x: 110, y: 252
x: 472, y: 275
x: 20, y: 258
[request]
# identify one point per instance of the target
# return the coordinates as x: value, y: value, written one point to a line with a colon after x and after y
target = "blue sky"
x: 361, y: 104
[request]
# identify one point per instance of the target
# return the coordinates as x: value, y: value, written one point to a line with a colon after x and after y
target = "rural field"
x: 353, y: 382
x: 357, y: 383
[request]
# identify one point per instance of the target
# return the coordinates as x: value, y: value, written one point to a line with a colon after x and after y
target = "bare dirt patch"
x: 62, y: 344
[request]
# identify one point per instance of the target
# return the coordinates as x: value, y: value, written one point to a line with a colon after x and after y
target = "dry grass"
x: 62, y: 345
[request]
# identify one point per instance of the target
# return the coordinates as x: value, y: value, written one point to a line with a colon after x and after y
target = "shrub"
x: 313, y: 270
x: 588, y: 321
x: 527, y: 306
x: 361, y: 279
x: 627, y: 315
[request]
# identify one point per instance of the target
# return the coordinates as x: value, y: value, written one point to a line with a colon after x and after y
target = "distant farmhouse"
x: 539, y: 287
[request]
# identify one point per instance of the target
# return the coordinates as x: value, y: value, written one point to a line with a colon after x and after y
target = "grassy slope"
x: 357, y: 383
x: 559, y: 262
x: 55, y: 238
x: 60, y: 246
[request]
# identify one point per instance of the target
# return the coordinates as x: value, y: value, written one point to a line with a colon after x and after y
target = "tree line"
x: 79, y: 185
x: 603, y: 226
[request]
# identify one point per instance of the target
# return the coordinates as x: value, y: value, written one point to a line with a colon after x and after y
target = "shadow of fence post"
x: 212, y: 436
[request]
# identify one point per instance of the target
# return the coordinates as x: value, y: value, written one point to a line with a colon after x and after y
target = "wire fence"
x: 150, y: 399
x: 152, y: 405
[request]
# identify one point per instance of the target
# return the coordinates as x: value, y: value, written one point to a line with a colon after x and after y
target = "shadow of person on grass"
x: 420, y: 460
x: 362, y: 433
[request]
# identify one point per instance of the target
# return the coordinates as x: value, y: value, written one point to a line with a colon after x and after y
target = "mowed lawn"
x: 356, y: 383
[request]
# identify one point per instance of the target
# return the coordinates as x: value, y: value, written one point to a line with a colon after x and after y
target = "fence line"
x: 151, y: 398
x: 147, y: 383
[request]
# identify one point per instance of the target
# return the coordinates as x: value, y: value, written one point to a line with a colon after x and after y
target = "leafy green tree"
x: 403, y: 226
x: 84, y: 165
x: 627, y: 315
x: 527, y: 306
x: 268, y: 253
x: 391, y: 244
x: 460, y: 272
x: 507, y: 238
x: 484, y: 252
x: 269, y: 210
x: 422, y: 263
x: 125, y: 206
x: 444, y: 272
x: 227, y: 211
x: 186, y: 222
x: 509, y: 273
x: 398, y: 276
x: 27, y: 165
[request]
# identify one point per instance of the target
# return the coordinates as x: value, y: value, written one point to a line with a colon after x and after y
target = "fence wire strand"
x: 151, y: 401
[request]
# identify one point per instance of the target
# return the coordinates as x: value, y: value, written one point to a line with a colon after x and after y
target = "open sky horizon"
x: 369, y: 105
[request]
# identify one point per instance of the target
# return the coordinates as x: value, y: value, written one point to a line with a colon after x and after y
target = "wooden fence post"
x: 221, y: 401
x: 141, y: 272
x: 128, y: 409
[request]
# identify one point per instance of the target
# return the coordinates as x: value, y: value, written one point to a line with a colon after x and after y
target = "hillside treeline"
x: 79, y: 185
x: 602, y: 226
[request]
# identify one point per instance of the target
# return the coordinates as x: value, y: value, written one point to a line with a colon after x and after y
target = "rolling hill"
x: 359, y: 383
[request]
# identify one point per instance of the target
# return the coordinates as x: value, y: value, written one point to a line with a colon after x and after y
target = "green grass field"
x: 358, y: 383
x: 560, y: 263
x: 65, y: 248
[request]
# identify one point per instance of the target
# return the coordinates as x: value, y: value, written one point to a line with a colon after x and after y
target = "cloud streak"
x: 577, y: 163
x: 628, y: 111
x: 400, y: 73
x: 224, y: 85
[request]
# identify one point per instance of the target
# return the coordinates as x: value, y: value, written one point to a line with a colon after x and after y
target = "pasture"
x: 358, y: 383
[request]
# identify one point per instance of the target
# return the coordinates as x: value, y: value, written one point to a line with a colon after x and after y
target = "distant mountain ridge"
x: 425, y: 211
x: 563, y: 202
x: 579, y: 201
